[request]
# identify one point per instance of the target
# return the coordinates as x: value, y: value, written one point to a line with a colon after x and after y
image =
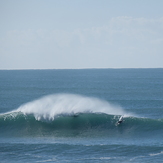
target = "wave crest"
x: 51, y: 106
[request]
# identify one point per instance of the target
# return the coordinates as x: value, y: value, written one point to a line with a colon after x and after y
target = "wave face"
x: 74, y: 115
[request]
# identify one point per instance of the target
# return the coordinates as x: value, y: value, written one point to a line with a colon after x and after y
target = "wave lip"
x: 49, y: 107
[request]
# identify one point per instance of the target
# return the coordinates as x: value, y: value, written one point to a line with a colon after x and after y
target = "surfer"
x: 75, y: 115
x: 120, y: 120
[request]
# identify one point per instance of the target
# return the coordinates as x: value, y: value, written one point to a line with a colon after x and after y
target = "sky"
x: 75, y: 34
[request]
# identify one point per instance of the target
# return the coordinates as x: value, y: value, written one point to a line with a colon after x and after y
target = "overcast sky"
x: 47, y: 34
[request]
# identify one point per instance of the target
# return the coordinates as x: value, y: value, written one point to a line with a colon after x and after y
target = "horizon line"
x: 78, y: 68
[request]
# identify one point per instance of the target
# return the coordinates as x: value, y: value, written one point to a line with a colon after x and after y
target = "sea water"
x: 71, y: 115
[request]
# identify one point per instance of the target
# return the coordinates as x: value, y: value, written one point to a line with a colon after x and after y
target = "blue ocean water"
x: 71, y: 115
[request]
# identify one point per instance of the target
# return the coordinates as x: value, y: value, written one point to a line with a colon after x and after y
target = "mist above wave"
x: 50, y: 106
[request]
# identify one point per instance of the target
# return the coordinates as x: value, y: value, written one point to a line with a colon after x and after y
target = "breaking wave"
x: 72, y: 115
x: 49, y: 107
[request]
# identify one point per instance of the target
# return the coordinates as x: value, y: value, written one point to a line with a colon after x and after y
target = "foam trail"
x: 50, y: 106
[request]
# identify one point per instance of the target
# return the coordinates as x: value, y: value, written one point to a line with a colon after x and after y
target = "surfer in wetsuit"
x: 120, y: 120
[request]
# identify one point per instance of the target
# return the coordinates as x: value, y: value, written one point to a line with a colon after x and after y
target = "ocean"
x: 71, y: 115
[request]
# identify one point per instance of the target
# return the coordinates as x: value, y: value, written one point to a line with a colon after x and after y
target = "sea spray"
x: 49, y: 107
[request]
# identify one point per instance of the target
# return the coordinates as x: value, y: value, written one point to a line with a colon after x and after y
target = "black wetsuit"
x: 120, y: 121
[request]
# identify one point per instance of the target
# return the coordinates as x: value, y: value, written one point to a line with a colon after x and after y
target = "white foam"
x: 155, y: 154
x: 50, y: 106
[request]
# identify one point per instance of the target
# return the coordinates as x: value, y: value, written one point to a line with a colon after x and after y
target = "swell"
x: 74, y: 115
x: 82, y: 124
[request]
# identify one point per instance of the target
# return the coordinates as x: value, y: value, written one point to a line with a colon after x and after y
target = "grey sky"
x: 38, y: 34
